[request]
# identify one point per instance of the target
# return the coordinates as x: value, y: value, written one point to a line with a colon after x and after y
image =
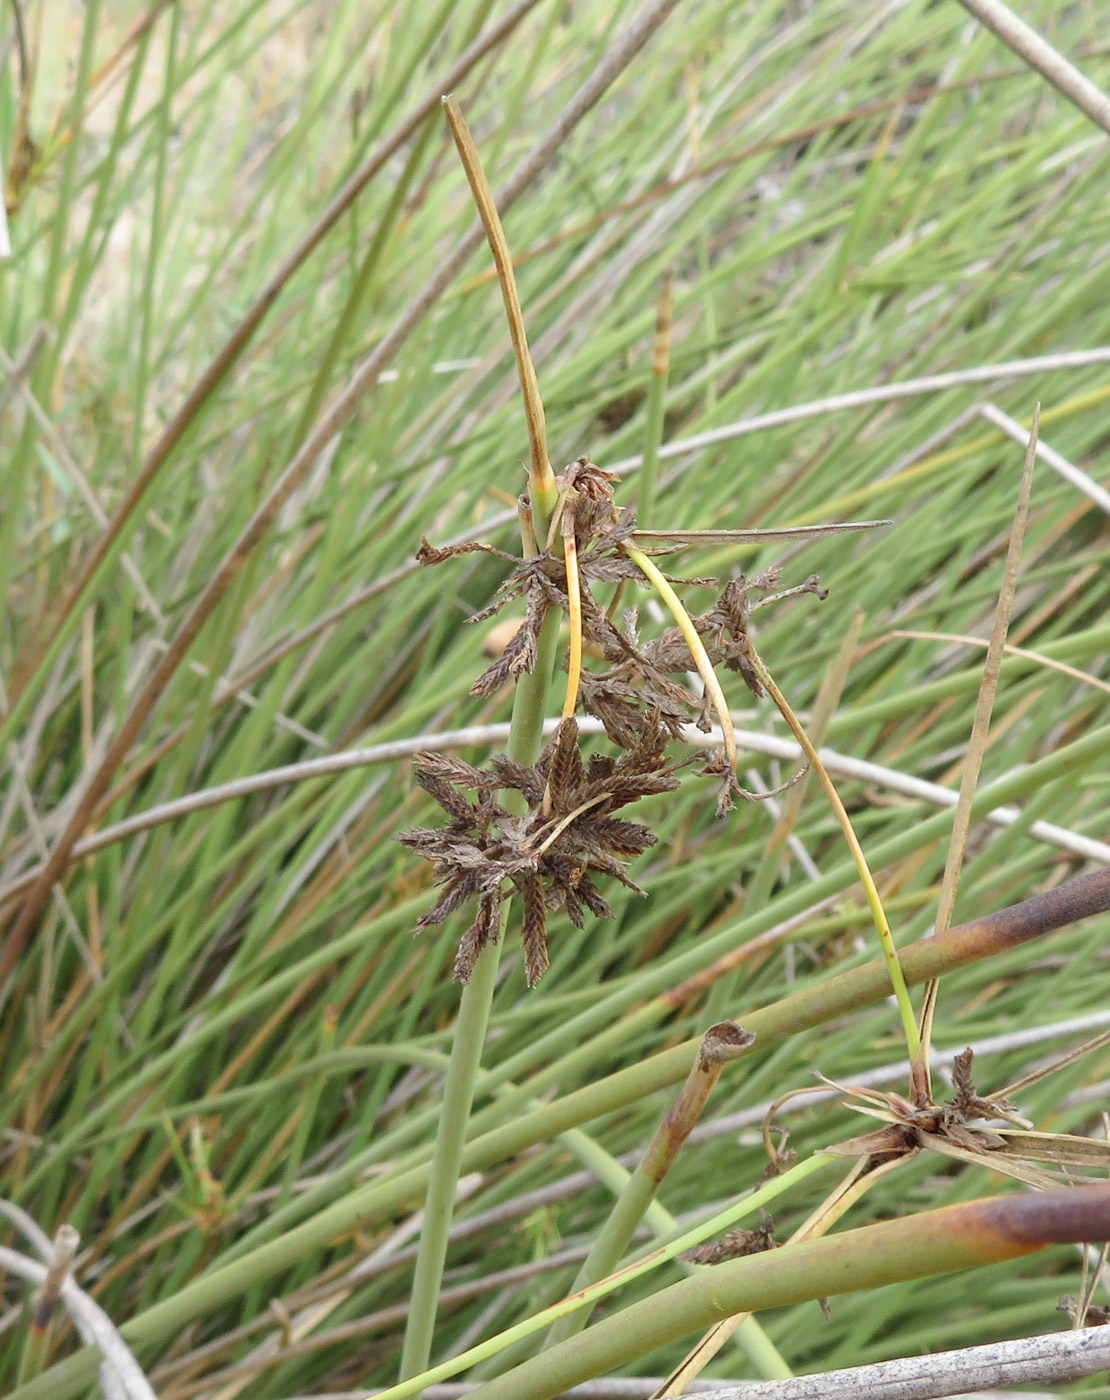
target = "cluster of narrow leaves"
x: 568, y: 835
x: 549, y: 853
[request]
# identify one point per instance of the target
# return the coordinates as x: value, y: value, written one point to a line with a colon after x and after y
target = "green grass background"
x: 216, y: 1016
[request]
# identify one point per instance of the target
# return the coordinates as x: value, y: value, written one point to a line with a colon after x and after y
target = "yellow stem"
x: 694, y: 642
x: 574, y: 612
x: 870, y: 889
x: 541, y: 479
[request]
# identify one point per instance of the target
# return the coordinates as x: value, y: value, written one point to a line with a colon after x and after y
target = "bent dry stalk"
x: 720, y: 1045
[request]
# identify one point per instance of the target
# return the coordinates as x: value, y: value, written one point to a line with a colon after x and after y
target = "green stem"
x: 916, y: 1246
x: 867, y: 880
x: 458, y: 1095
x: 607, y: 1250
x: 663, y: 1254
x: 838, y: 996
x: 525, y: 738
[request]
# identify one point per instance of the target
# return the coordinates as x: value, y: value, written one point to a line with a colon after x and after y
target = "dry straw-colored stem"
x: 844, y: 765
x: 964, y: 640
x: 114, y: 1357
x: 976, y: 748
x: 1048, y: 455
x: 874, y: 394
x: 1039, y: 54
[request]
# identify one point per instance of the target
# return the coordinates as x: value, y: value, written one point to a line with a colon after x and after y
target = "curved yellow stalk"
x: 541, y: 479
x: 697, y: 647
x: 574, y: 613
x: 867, y: 880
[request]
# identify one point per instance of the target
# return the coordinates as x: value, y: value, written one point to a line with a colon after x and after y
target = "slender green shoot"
x: 656, y: 405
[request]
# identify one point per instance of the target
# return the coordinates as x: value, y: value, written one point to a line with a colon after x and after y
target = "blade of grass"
x: 656, y: 405
x: 541, y: 479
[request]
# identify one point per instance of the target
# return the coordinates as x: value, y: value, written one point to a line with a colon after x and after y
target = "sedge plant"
x: 222, y: 1053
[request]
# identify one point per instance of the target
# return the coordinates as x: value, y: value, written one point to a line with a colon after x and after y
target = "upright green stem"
x: 525, y: 737
x: 458, y: 1095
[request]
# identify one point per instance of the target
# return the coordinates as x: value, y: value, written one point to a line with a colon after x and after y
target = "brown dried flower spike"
x: 550, y: 853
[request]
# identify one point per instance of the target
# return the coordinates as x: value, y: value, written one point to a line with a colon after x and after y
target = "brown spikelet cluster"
x: 735, y: 1244
x: 549, y: 854
x: 637, y: 678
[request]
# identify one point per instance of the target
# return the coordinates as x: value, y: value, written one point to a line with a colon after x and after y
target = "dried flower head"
x: 566, y: 835
x: 550, y: 853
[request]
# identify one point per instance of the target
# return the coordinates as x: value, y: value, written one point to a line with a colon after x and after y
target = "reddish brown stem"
x: 719, y: 1045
